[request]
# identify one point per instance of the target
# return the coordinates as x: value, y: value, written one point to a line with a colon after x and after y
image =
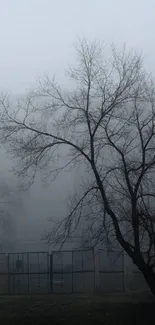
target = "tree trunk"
x: 149, y: 276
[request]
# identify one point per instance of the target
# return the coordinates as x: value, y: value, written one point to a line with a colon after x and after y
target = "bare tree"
x: 105, y: 121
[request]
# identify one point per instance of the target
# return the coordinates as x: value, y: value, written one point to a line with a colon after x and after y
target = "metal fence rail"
x: 28, y: 272
x: 72, y: 271
x: 111, y: 271
x: 3, y: 274
x: 41, y: 272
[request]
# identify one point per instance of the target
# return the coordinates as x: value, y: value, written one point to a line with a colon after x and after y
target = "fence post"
x: 72, y: 273
x: 28, y: 271
x: 127, y: 273
x: 8, y: 269
x: 51, y: 272
x: 97, y: 270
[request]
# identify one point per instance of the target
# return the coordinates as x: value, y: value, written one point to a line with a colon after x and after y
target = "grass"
x: 72, y: 309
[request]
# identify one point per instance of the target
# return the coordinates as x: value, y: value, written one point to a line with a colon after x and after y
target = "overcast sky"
x: 37, y: 37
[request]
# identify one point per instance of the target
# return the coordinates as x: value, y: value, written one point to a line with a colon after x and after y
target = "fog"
x: 37, y: 38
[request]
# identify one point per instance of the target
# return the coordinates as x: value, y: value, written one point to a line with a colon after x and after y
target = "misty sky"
x: 37, y: 38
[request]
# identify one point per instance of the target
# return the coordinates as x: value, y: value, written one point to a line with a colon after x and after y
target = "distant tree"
x: 105, y: 121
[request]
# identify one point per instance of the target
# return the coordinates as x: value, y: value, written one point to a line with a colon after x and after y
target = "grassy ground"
x: 73, y: 310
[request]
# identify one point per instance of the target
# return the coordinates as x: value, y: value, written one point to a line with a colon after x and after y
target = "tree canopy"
x: 105, y: 120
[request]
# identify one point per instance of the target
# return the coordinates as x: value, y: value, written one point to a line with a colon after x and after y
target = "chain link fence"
x: 72, y: 271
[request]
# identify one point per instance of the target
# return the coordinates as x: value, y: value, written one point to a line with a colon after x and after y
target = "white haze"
x: 37, y: 38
